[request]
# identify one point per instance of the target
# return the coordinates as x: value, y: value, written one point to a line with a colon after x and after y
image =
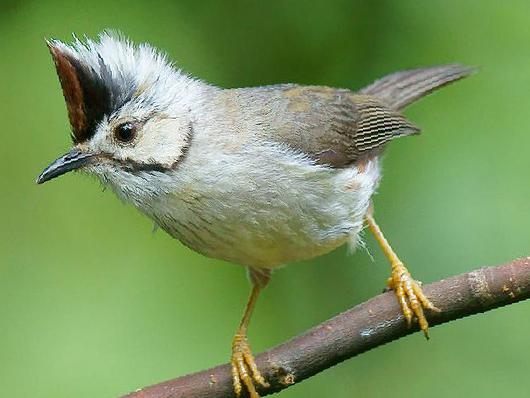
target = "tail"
x: 402, y: 88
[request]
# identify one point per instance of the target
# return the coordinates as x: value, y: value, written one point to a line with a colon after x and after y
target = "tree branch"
x: 366, y: 326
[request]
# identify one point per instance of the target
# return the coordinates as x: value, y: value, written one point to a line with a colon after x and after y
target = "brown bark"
x: 366, y: 326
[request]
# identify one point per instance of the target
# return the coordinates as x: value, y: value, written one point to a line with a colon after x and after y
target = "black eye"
x: 125, y: 132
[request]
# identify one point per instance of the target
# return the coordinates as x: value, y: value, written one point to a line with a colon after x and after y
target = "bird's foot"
x: 244, y: 369
x: 410, y: 296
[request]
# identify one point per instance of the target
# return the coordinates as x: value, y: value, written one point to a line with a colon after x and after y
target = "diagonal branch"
x: 366, y: 326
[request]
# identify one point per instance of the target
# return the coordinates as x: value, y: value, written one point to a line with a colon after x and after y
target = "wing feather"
x: 336, y: 127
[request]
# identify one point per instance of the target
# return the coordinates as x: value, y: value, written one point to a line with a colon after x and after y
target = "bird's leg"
x: 244, y: 369
x: 408, y: 291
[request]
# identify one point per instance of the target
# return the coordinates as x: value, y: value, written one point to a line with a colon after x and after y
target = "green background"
x: 93, y: 304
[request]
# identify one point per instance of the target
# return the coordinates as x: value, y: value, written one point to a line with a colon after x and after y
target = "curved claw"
x: 410, y: 297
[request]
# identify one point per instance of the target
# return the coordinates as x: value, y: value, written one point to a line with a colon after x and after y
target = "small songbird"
x: 258, y: 176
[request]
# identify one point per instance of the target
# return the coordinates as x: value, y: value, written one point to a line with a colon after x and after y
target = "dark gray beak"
x: 71, y: 161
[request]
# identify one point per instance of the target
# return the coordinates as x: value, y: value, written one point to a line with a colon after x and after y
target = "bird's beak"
x: 68, y: 162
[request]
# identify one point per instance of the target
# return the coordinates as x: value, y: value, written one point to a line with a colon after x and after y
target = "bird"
x: 259, y: 176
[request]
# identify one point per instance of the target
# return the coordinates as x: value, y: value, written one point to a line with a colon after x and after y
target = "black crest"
x: 90, y: 94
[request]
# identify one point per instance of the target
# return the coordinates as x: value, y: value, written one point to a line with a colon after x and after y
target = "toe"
x: 236, y: 380
x: 247, y: 381
x: 410, y: 297
x: 244, y: 369
x: 256, y: 374
x: 240, y: 375
x: 403, y: 302
x: 425, y: 302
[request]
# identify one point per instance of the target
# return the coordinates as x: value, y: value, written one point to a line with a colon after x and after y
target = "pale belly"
x: 302, y: 214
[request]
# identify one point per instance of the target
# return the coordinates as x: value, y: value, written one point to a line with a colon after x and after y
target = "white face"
x: 134, y: 148
x: 141, y: 138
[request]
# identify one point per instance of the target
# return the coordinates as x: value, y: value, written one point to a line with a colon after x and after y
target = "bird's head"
x: 129, y: 109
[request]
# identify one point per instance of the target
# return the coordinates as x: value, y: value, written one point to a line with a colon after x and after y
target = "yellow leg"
x: 408, y: 291
x: 244, y: 369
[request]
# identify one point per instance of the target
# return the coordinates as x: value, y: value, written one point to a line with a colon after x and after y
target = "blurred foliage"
x: 94, y: 304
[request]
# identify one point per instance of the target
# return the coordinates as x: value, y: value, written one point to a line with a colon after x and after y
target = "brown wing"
x: 332, y: 126
x: 336, y: 126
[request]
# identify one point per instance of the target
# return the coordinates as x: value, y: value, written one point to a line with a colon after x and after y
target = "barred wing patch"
x: 378, y: 124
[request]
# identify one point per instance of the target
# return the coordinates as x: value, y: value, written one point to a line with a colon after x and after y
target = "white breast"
x: 263, y: 205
